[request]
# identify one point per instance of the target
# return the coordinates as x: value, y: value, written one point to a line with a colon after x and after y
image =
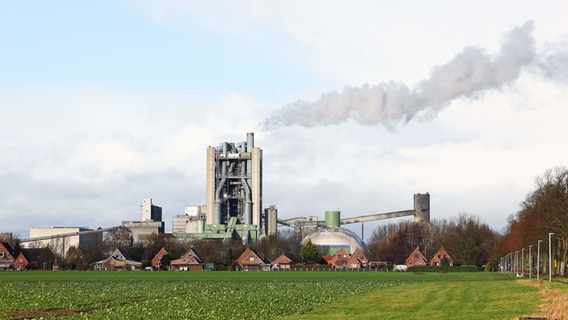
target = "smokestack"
x: 469, y: 73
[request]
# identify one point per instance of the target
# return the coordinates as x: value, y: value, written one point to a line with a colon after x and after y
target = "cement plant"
x: 233, y: 209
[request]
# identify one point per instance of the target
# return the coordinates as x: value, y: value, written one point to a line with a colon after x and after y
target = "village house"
x: 250, y: 260
x: 416, y: 259
x: 7, y: 256
x: 190, y: 261
x: 343, y: 260
x: 118, y: 260
x: 157, y: 260
x: 77, y: 259
x: 339, y: 260
x: 361, y: 258
x: 35, y: 259
x: 439, y: 257
x: 284, y: 261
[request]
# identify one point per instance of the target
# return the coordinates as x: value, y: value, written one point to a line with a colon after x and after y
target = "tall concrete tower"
x: 234, y: 182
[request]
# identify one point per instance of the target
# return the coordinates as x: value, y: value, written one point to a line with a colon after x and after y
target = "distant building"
x: 60, y: 239
x: 250, y: 260
x: 157, y: 260
x: 7, y: 256
x: 416, y: 258
x: 150, y: 222
x: 150, y: 212
x: 192, y: 221
x: 441, y: 255
x: 35, y: 259
x: 284, y: 261
x: 189, y: 261
x: 118, y: 260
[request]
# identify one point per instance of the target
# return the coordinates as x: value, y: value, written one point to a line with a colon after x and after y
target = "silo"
x: 332, y: 218
x: 422, y: 207
x: 271, y: 220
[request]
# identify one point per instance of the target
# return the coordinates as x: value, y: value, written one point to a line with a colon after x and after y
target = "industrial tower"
x: 234, y: 183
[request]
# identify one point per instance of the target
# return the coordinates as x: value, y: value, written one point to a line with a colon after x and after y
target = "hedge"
x: 443, y: 269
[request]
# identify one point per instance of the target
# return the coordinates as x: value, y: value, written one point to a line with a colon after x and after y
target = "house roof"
x: 415, y: 256
x: 360, y: 256
x: 288, y: 258
x: 327, y: 259
x: 442, y: 253
x: 33, y: 254
x: 250, y: 257
x: 119, y: 254
x: 341, y: 254
x: 5, y: 247
x: 190, y: 257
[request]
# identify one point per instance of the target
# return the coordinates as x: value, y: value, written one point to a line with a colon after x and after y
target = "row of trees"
x: 544, y: 211
x: 468, y: 240
x: 472, y: 242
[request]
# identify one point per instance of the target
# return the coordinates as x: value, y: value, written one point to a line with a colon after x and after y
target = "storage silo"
x: 333, y: 237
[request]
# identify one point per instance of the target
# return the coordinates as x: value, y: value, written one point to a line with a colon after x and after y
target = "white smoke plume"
x: 469, y: 73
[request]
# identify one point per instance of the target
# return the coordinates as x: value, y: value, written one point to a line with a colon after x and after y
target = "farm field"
x: 264, y: 295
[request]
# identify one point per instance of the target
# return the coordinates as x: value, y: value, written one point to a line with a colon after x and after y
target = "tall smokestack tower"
x: 234, y: 182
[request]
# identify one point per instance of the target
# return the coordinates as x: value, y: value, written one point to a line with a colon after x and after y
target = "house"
x: 118, y: 260
x: 34, y: 259
x: 157, y: 260
x: 416, y: 258
x: 250, y: 260
x: 284, y: 261
x: 189, y: 261
x: 327, y: 259
x: 339, y: 260
x: 77, y: 259
x: 440, y: 256
x: 358, y: 254
x: 344, y: 260
x: 7, y: 256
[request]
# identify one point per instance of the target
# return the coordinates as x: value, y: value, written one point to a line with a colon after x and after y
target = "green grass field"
x: 264, y: 295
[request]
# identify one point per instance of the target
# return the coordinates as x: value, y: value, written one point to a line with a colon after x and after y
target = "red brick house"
x: 190, y: 261
x: 7, y: 256
x: 250, y: 260
x: 340, y: 259
x: 157, y: 260
x: 35, y: 259
x: 416, y: 258
x: 358, y: 254
x: 284, y: 261
x: 118, y: 260
x: 439, y: 256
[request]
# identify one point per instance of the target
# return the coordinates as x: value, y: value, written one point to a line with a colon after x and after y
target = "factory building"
x: 59, y: 244
x: 233, y: 197
x: 192, y: 221
x: 150, y: 222
x: 234, y: 183
x: 332, y: 237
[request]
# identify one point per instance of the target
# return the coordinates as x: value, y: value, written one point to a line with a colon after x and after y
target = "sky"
x: 357, y: 105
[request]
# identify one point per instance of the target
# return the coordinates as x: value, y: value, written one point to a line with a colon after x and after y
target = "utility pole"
x: 530, y: 261
x: 550, y: 256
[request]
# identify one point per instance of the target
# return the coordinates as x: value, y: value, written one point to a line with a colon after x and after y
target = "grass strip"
x: 499, y: 299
